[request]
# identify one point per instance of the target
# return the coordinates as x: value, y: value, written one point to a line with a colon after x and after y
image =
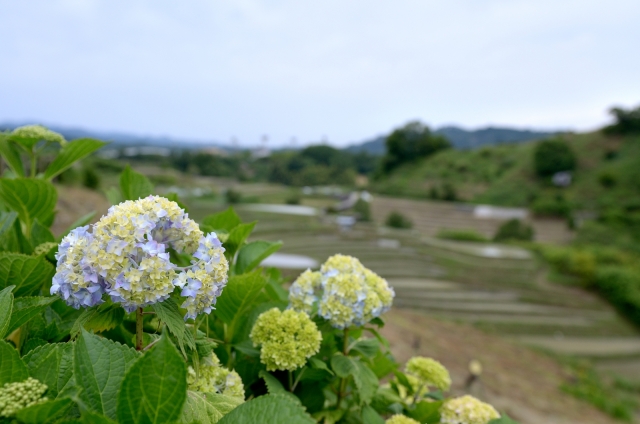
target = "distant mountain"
x: 463, y: 139
x: 119, y: 139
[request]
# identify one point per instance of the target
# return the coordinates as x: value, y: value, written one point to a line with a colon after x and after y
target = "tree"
x: 627, y: 121
x: 410, y: 143
x: 554, y: 155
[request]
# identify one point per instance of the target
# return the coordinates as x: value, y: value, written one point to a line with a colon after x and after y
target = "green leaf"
x: 27, y: 308
x: 343, y: 366
x: 223, y: 221
x: 366, y: 382
x: 6, y: 307
x: 252, y: 254
x: 71, y: 153
x: 319, y: 365
x: 11, y: 237
x: 236, y: 239
x: 169, y: 313
x: 51, y: 363
x: 274, y: 387
x: 155, y: 388
x: 370, y: 416
x: 426, y: 412
x: 503, y: 420
x: 269, y: 409
x: 44, y: 413
x: 11, y: 156
x: 12, y: 368
x: 40, y: 234
x: 207, y: 408
x: 27, y: 273
x: 237, y: 298
x: 99, y: 368
x: 103, y: 318
x: 30, y: 198
x: 80, y: 222
x: 367, y: 347
x: 134, y: 185
x: 93, y: 418
x: 113, y: 195
x: 32, y: 343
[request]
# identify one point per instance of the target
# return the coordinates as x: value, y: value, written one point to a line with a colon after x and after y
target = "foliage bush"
x: 514, y: 229
x: 398, y: 220
x: 551, y: 156
x: 363, y: 209
x: 90, y: 179
x: 232, y: 196
x: 627, y: 121
x: 461, y: 235
x: 410, y: 143
x: 547, y: 206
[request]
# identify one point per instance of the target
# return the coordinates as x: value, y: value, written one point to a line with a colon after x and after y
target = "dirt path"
x: 517, y: 380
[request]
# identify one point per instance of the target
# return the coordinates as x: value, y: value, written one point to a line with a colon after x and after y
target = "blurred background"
x: 483, y: 156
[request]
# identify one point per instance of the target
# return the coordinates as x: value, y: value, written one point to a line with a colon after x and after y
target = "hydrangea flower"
x: 214, y: 378
x: 126, y: 256
x: 302, y: 292
x: 38, y: 133
x: 288, y: 338
x: 467, y: 410
x: 350, y: 293
x: 428, y: 372
x: 401, y: 419
x: 17, y: 396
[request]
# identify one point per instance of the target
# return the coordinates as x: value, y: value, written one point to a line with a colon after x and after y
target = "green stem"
x: 343, y: 381
x: 139, y: 316
x: 295, y: 383
x: 290, y: 381
x: 33, y: 164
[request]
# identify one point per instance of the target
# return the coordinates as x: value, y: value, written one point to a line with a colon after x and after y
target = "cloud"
x: 347, y: 70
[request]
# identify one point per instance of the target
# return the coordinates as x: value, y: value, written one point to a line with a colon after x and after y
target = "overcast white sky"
x: 334, y: 69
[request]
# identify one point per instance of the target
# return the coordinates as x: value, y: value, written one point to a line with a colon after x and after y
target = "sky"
x: 296, y: 72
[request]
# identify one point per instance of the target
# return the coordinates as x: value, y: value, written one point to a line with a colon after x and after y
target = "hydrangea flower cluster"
x: 401, y: 419
x: 214, y: 378
x: 16, y: 396
x: 38, y: 132
x: 427, y: 372
x: 126, y: 257
x: 467, y: 410
x: 351, y: 294
x: 288, y: 338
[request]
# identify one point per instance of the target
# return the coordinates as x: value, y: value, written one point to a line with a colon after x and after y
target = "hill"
x: 463, y: 139
x: 607, y: 174
x: 121, y: 138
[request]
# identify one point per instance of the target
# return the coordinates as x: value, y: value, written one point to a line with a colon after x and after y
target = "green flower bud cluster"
x: 288, y: 338
x: 428, y: 372
x: 401, y: 419
x: 214, y: 378
x: 38, y: 132
x: 17, y: 396
x: 44, y: 248
x: 467, y: 410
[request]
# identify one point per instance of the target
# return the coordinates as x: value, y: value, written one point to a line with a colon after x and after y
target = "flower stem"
x: 139, y: 315
x: 343, y: 381
x: 290, y: 381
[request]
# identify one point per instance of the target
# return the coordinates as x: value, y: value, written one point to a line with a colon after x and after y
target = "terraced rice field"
x: 508, y: 295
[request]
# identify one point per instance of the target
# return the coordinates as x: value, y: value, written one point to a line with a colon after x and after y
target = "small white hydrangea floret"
x: 126, y: 256
x: 288, y: 338
x: 467, y: 410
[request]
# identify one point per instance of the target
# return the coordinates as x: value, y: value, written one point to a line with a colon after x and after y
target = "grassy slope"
x: 504, y: 175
